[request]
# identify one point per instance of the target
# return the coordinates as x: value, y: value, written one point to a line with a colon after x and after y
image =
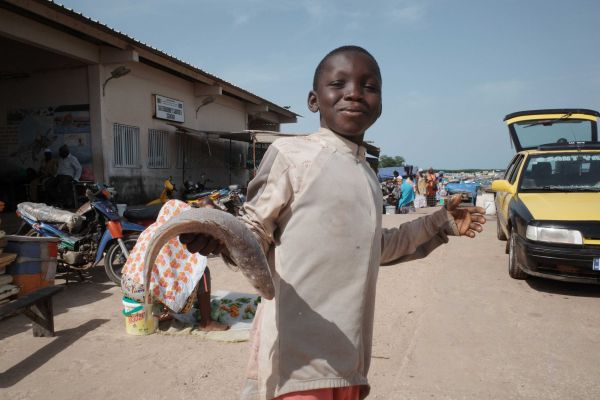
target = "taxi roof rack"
x: 553, y: 111
x: 570, y: 146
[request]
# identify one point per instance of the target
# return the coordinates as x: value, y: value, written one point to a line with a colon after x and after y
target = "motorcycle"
x: 192, y: 190
x: 94, y: 231
x: 195, y: 190
x: 144, y: 215
x: 228, y: 199
x: 166, y: 194
x: 231, y: 199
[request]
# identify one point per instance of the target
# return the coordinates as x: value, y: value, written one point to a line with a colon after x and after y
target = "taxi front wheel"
x: 514, y: 268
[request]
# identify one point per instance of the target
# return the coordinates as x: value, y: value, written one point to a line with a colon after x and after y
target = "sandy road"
x: 456, y: 326
x: 451, y: 326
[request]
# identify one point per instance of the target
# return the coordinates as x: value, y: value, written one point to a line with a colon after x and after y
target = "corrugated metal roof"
x: 254, y: 136
x: 132, y: 40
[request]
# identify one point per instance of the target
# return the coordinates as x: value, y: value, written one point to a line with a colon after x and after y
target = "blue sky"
x: 452, y: 69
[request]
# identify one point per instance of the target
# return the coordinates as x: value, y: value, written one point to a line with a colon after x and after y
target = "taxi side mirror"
x: 503, y: 186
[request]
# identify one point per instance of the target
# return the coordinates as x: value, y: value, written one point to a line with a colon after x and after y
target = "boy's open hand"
x: 467, y: 219
x: 199, y: 243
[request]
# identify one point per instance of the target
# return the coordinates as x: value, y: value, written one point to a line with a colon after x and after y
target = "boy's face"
x: 348, y: 94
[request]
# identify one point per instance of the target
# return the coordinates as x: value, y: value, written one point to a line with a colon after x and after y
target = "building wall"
x: 128, y: 100
x: 29, y: 121
x: 44, y: 89
x: 75, y: 70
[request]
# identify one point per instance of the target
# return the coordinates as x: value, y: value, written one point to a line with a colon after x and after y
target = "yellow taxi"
x: 548, y: 202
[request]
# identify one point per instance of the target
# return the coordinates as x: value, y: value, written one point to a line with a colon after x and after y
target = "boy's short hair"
x: 343, y: 49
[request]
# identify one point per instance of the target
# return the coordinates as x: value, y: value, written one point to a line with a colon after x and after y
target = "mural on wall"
x: 28, y: 132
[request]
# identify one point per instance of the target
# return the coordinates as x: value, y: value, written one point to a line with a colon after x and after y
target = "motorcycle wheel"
x: 115, y: 259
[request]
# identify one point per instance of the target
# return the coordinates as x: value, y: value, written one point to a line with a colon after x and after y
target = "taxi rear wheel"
x: 514, y: 268
x: 499, y: 232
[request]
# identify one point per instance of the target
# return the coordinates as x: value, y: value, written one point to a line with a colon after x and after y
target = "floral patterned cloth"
x: 175, y: 274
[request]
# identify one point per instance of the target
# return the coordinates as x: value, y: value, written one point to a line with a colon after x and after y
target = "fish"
x: 241, y: 246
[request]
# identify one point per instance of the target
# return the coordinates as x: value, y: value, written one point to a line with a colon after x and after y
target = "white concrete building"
x: 121, y: 106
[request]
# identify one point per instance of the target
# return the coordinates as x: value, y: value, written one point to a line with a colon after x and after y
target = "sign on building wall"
x: 168, y: 108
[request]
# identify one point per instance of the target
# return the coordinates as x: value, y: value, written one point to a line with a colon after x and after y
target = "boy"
x: 315, y: 206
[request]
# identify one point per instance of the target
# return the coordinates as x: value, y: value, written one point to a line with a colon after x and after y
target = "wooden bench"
x: 37, y: 306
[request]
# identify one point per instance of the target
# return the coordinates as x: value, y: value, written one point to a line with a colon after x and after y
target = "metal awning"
x: 253, y: 136
x: 248, y: 136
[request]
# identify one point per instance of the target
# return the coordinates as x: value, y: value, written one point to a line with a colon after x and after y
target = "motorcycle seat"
x: 142, y: 212
x: 42, y: 212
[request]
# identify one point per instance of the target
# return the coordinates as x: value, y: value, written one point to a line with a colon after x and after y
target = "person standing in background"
x: 407, y: 196
x: 69, y: 170
x: 396, y: 193
x: 45, y: 177
x: 421, y: 184
x: 420, y: 190
x: 431, y: 187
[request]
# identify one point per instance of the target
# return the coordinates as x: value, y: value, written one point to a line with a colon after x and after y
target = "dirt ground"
x: 451, y: 326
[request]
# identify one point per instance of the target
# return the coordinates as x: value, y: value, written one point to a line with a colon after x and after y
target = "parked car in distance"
x: 548, y: 202
x: 467, y: 190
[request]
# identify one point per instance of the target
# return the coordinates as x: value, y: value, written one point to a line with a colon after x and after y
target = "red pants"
x: 343, y: 393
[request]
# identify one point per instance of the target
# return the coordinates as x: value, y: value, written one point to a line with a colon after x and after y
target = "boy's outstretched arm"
x: 416, y: 239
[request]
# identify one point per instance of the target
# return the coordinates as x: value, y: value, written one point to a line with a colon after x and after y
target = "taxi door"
x: 503, y: 198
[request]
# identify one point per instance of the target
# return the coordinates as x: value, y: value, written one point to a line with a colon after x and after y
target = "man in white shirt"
x: 69, y: 170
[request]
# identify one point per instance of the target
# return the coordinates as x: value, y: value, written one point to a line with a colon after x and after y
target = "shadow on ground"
x: 564, y: 288
x: 64, y: 339
x: 93, y: 288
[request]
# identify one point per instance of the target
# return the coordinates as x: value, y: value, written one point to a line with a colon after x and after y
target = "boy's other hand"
x: 200, y: 243
x: 469, y: 220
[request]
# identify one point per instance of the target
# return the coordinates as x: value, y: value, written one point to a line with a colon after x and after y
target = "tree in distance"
x: 387, y: 161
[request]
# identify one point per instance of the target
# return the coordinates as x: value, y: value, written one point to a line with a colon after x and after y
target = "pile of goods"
x: 225, y: 310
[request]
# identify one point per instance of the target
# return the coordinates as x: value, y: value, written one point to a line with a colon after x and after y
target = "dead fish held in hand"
x: 242, y: 247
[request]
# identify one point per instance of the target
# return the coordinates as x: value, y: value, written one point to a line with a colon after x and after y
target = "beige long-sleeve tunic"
x: 316, y: 205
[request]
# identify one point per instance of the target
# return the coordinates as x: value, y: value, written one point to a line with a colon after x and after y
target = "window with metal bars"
x: 126, y: 146
x: 158, y: 149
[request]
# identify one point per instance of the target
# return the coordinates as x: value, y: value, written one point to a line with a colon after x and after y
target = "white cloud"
x: 314, y: 8
x: 241, y: 19
x: 250, y: 10
x: 416, y: 100
x: 250, y: 78
x: 502, y: 90
x: 406, y: 12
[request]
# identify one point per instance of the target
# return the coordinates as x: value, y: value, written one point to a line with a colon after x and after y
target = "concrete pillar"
x: 99, y: 166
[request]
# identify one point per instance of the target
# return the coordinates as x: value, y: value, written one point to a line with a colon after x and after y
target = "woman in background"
x: 431, y: 187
